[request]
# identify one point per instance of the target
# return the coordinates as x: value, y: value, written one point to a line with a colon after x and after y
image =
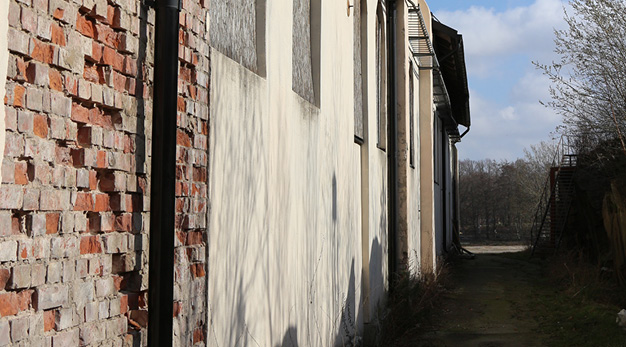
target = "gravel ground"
x: 495, y: 249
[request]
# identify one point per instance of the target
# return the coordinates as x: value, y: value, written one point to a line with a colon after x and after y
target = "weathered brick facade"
x: 192, y: 176
x: 74, y: 199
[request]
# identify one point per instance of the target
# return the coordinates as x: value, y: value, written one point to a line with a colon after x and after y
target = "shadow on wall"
x: 135, y: 279
x: 290, y: 339
x: 348, y: 330
x: 252, y: 269
x: 350, y: 333
x: 239, y: 247
x: 378, y: 254
x: 377, y: 277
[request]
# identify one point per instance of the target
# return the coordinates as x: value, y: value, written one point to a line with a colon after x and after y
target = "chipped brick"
x: 17, y: 41
x: 90, y: 245
x: 41, y: 51
x: 5, y: 274
x: 56, y: 80
x: 11, y: 197
x: 8, y: 304
x: 85, y: 26
x: 40, y: 125
x: 57, y: 34
x: 47, y: 297
x: 20, y: 277
x: 83, y: 201
x: 19, y: 329
x: 52, y: 223
x: 48, y: 320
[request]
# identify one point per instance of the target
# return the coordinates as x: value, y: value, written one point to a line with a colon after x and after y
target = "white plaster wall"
x: 414, y: 240
x: 4, y: 60
x: 378, y: 186
x: 409, y: 176
x: 427, y: 186
x: 284, y: 246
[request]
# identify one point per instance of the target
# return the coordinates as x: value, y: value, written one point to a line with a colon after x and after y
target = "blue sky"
x: 501, y: 39
x: 454, y: 5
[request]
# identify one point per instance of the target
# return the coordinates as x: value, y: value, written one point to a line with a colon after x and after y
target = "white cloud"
x: 503, y: 131
x: 508, y: 113
x: 489, y: 35
x: 521, y: 29
x: 505, y: 109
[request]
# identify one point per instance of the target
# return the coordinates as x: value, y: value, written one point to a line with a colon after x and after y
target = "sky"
x: 501, y: 40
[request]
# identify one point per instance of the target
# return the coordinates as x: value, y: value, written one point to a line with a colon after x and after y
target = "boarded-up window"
x: 411, y: 115
x: 381, y: 92
x: 302, y: 78
x: 233, y: 30
x: 438, y: 148
x: 358, y: 74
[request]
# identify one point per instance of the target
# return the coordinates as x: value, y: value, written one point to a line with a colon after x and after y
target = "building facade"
x: 315, y: 163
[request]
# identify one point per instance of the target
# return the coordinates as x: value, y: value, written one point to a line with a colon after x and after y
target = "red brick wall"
x: 191, y: 189
x: 74, y: 200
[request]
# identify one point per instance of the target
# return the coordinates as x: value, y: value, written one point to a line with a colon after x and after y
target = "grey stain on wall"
x: 334, y: 198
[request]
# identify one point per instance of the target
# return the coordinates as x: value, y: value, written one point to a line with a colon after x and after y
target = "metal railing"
x: 563, y: 160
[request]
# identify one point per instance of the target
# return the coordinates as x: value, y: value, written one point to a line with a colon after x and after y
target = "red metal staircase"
x: 556, y: 201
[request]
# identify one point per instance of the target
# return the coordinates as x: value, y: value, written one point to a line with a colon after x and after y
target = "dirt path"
x: 500, y: 299
x: 490, y: 305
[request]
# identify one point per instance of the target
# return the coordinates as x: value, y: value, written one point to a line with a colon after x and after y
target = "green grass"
x: 570, y: 321
x: 575, y: 306
x: 562, y: 301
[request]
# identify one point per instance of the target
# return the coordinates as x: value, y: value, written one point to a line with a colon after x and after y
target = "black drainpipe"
x: 163, y: 175
x: 392, y: 143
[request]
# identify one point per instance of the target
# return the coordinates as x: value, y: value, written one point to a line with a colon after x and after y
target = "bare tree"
x: 588, y: 87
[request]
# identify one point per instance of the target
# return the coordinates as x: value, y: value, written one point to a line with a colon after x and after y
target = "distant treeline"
x: 498, y: 198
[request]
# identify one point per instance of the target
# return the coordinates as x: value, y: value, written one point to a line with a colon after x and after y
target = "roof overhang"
x: 448, y: 46
x: 441, y: 52
x: 421, y: 44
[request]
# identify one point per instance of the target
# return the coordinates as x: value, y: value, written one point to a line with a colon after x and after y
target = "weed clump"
x: 578, y: 278
x: 410, y: 305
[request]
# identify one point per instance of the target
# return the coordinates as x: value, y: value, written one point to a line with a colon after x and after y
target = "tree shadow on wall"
x: 352, y: 329
x: 290, y: 339
x: 241, y: 259
x: 348, y: 329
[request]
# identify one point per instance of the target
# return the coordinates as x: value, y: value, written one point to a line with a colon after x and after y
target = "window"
x: 306, y: 49
x: 381, y: 71
x: 411, y: 115
x: 359, y: 127
x: 438, y: 139
x: 237, y: 29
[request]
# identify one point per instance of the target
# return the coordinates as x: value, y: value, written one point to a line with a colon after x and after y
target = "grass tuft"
x: 410, y: 306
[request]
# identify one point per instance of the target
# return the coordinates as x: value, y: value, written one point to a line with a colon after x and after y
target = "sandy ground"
x: 496, y: 249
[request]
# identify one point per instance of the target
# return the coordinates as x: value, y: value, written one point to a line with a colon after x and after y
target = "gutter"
x: 163, y: 179
x: 464, y: 133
